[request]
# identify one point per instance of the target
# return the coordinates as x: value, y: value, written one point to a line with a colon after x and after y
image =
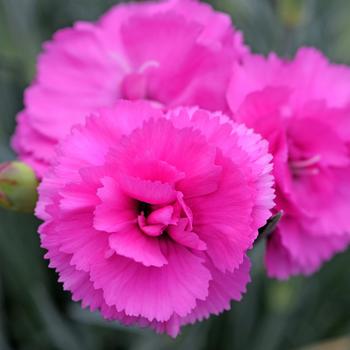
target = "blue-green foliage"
x: 36, y: 314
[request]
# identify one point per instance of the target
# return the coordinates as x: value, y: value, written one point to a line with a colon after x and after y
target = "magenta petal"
x: 84, y: 244
x: 161, y: 216
x: 278, y: 261
x: 324, y: 142
x: 186, y: 238
x: 154, y: 170
x: 308, y: 249
x: 152, y: 192
x: 116, y: 210
x: 223, y: 220
x: 78, y: 282
x: 134, y: 244
x: 223, y: 288
x: 150, y: 230
x: 195, y: 174
x: 172, y: 288
x: 77, y: 197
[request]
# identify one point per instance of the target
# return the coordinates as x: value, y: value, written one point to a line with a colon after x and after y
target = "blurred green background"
x: 35, y: 313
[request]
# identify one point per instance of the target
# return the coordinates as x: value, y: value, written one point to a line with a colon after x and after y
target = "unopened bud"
x: 18, y: 187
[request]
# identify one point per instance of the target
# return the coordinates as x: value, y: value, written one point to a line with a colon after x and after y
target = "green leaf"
x: 270, y: 226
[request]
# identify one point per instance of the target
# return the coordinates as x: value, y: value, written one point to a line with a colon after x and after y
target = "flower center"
x: 144, y: 208
x: 307, y: 166
x: 154, y: 220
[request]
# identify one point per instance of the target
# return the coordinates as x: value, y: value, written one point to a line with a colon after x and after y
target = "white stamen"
x: 301, y: 164
x: 306, y: 171
x: 148, y: 64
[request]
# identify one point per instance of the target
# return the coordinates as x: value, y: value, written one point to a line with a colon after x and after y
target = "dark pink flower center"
x: 154, y: 220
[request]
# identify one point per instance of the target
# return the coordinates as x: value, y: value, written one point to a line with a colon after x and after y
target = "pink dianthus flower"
x: 302, y: 107
x: 176, y: 52
x: 148, y: 216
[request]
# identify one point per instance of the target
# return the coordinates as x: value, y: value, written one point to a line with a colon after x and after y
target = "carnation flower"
x: 176, y: 52
x: 302, y: 108
x: 148, y: 216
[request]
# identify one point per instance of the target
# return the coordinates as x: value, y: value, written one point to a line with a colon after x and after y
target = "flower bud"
x: 18, y: 187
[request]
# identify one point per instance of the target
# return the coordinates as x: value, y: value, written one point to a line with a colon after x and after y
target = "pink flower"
x: 148, y: 216
x: 176, y: 52
x: 302, y: 108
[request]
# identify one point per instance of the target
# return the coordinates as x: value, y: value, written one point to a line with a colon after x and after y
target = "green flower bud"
x: 18, y: 187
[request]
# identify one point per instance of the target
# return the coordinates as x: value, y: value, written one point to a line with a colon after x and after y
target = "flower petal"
x: 132, y: 243
x: 171, y: 289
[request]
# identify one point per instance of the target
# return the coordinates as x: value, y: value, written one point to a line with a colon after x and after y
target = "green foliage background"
x: 35, y: 313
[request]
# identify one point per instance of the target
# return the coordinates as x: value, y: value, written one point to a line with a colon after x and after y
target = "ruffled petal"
x: 223, y: 288
x: 132, y: 243
x: 116, y: 209
x: 172, y: 288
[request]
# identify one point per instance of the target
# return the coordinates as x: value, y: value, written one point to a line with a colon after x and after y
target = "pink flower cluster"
x: 166, y: 126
